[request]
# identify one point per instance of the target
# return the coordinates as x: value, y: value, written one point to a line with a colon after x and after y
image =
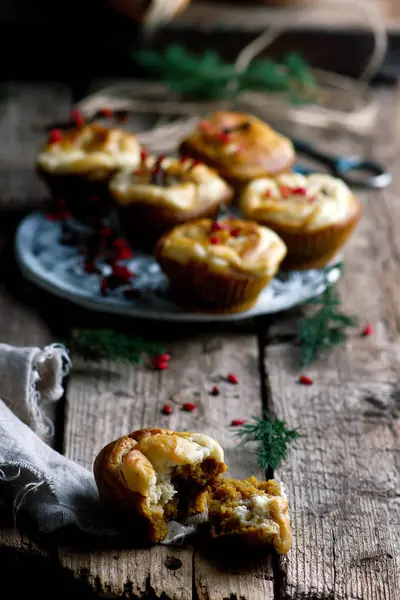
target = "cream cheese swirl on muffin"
x: 294, y: 200
x: 225, y: 245
x: 92, y: 148
x: 182, y: 185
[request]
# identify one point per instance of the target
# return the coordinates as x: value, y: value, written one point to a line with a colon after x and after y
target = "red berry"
x: 300, y: 191
x: 235, y: 233
x: 189, y: 406
x: 224, y: 138
x: 236, y: 422
x: 166, y: 409
x: 368, y: 330
x: 77, y: 118
x: 214, y: 240
x: 305, y: 380
x: 217, y: 226
x: 119, y: 243
x: 124, y: 253
x: 215, y: 390
x: 55, y: 136
x: 285, y: 191
x: 106, y: 112
x: 164, y: 357
x: 268, y: 193
x: 232, y: 378
x: 122, y: 272
x: 162, y: 366
x: 144, y: 155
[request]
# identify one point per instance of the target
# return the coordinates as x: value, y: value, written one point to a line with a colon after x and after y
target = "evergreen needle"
x: 325, y: 328
x: 103, y: 344
x: 273, y: 438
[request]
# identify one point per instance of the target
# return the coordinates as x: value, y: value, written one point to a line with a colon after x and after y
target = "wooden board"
x: 342, y: 476
x: 310, y: 14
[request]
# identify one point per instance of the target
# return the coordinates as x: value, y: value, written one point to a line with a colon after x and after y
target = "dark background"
x: 81, y: 40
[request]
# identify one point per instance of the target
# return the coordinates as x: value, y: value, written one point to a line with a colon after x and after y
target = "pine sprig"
x: 325, y: 328
x: 208, y: 77
x: 273, y: 438
x: 103, y: 344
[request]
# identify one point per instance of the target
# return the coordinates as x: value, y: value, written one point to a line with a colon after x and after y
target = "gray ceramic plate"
x: 57, y: 268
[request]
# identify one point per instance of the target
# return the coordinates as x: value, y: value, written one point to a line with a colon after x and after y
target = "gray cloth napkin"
x: 54, y: 490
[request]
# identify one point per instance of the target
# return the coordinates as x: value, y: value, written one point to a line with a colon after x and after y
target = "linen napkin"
x: 53, y: 489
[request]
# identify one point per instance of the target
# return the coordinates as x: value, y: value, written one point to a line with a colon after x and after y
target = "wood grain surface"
x: 342, y: 476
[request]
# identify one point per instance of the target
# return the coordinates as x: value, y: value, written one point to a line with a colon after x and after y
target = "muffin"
x: 152, y: 476
x: 314, y: 215
x: 220, y: 265
x: 165, y: 192
x: 255, y: 511
x: 240, y: 147
x: 77, y: 163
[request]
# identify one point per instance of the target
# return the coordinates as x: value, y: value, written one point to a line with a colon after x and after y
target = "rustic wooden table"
x: 343, y: 475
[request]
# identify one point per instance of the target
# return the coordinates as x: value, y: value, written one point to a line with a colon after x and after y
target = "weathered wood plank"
x: 126, y: 398
x: 21, y: 319
x: 24, y: 115
x: 343, y: 476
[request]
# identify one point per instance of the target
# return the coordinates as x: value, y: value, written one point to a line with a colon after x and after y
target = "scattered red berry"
x: 215, y: 391
x: 285, y: 191
x: 77, y: 117
x: 237, y: 422
x: 214, y: 240
x: 189, y: 406
x: 368, y: 330
x: 122, y: 272
x: 235, y: 233
x: 124, y: 253
x: 55, y: 136
x: 305, y: 380
x: 164, y: 357
x: 218, y: 226
x: 143, y: 155
x: 160, y: 365
x: 232, y: 378
x: 224, y: 138
x: 106, y: 112
x: 299, y: 191
x: 166, y: 409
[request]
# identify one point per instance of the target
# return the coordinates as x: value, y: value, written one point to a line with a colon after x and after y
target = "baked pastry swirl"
x: 156, y: 475
x: 165, y: 192
x: 239, y: 146
x: 77, y: 164
x: 220, y: 265
x: 313, y: 214
x: 256, y: 511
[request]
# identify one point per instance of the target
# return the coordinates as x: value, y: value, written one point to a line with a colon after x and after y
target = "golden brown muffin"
x: 314, y: 215
x: 163, y: 193
x: 156, y: 475
x: 240, y: 147
x: 256, y: 511
x: 220, y: 265
x: 77, y: 164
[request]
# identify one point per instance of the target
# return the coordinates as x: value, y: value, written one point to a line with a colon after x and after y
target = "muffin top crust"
x: 179, y: 184
x: 87, y: 149
x: 240, y: 146
x: 225, y: 245
x: 293, y: 200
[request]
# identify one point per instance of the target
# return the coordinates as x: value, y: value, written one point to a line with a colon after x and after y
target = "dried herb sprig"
x: 102, y: 344
x: 326, y: 327
x: 208, y: 77
x: 273, y: 438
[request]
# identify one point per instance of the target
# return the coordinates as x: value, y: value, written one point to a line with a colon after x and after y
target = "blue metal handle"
x: 370, y: 174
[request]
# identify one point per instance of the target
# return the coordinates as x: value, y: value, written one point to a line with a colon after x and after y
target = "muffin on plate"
x: 220, y: 265
x: 240, y: 147
x: 255, y: 511
x: 165, y: 192
x: 153, y: 476
x: 314, y: 215
x: 77, y: 163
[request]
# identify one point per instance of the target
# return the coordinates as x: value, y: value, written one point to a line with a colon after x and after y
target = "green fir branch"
x: 273, y: 440
x: 107, y: 344
x: 209, y: 77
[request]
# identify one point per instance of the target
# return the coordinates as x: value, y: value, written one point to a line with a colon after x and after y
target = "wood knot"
x: 173, y: 563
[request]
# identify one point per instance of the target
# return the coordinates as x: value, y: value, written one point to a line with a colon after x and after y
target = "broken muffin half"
x: 256, y: 511
x: 158, y: 475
